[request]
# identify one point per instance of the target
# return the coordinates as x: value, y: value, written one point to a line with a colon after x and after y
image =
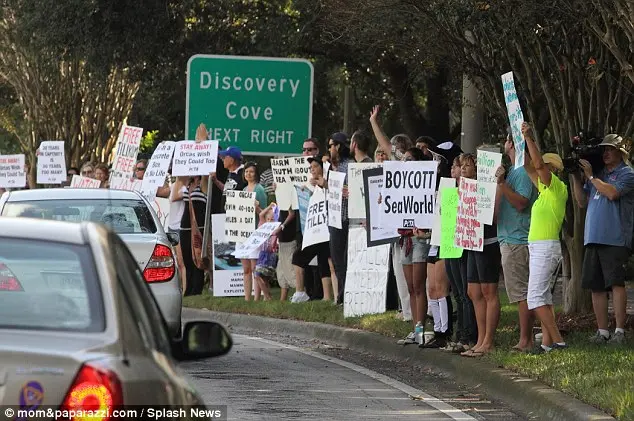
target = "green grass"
x: 600, y: 376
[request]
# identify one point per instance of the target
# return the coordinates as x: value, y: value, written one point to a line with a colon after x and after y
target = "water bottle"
x: 418, y: 333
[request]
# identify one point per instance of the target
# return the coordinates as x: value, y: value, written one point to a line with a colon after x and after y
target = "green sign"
x: 262, y: 105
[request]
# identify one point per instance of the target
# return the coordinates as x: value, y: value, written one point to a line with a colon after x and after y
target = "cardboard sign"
x: 469, y: 230
x: 303, y: 199
x: 228, y: 272
x: 373, y: 185
x: 449, y: 204
x: 156, y: 172
x: 12, y: 171
x: 51, y: 163
x: 81, y: 182
x: 356, y: 190
x: 240, y: 212
x: 125, y: 156
x: 195, y: 158
x: 316, y: 229
x: 335, y: 198
x: 285, y: 195
x: 255, y: 240
x: 128, y: 184
x: 437, y: 228
x: 516, y: 117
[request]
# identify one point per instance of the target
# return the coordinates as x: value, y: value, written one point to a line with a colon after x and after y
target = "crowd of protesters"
x: 522, y: 247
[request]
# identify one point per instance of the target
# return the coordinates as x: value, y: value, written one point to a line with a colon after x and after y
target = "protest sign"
x: 51, y: 164
x: 366, y: 277
x: 356, y: 191
x: 301, y: 171
x: 125, y: 156
x: 469, y: 231
x: 516, y: 117
x: 285, y: 194
x: 81, y: 182
x: 449, y: 204
x: 335, y: 198
x: 488, y: 163
x: 195, y: 158
x: 12, y: 171
x: 255, y: 240
x: 228, y: 272
x: 122, y: 183
x: 373, y: 184
x: 240, y: 211
x: 161, y: 206
x: 316, y: 229
x: 156, y: 172
x: 303, y: 199
x: 437, y: 228
x: 408, y: 194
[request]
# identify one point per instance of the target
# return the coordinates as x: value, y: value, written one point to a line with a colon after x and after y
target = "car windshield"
x: 122, y: 216
x: 48, y: 286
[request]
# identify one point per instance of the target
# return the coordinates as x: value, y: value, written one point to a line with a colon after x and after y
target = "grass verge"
x: 602, y: 376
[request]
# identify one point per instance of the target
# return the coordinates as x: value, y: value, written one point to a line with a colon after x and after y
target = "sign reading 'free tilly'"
x: 262, y: 105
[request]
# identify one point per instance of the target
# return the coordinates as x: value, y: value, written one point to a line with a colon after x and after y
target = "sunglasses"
x: 309, y: 149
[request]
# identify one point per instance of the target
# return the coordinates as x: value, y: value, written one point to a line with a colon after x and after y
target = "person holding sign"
x: 483, y: 275
x: 252, y: 178
x: 547, y: 217
x: 265, y: 268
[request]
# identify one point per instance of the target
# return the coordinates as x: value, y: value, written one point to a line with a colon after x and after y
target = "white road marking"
x: 445, y: 408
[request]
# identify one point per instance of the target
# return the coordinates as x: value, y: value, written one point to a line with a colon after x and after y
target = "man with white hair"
x: 609, y: 197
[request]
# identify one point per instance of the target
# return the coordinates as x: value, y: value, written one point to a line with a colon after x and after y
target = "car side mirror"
x: 202, y: 339
x: 173, y: 238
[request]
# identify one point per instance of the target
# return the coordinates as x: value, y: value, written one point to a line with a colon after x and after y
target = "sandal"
x: 474, y: 354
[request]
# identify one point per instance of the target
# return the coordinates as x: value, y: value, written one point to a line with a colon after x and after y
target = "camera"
x: 584, y: 146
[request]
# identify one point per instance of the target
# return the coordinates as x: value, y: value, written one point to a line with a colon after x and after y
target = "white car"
x: 128, y: 214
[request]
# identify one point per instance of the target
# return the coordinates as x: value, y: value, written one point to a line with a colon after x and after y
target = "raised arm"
x: 536, y: 157
x: 381, y: 137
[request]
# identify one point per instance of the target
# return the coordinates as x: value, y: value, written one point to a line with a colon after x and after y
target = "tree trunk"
x: 413, y: 122
x: 576, y: 300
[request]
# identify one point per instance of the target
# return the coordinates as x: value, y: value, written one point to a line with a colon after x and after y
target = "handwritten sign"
x: 316, y: 230
x: 195, y: 158
x: 285, y: 195
x: 301, y: 171
x: 240, y: 211
x: 335, y: 198
x: 81, y: 182
x: 122, y: 183
x: 366, y: 277
x: 449, y: 204
x: 408, y: 194
x: 12, y: 171
x: 356, y: 191
x: 516, y: 117
x: 469, y: 231
x: 303, y: 199
x: 125, y: 156
x: 437, y: 228
x: 51, y: 165
x: 488, y: 164
x: 255, y: 240
x: 156, y: 172
x: 373, y: 185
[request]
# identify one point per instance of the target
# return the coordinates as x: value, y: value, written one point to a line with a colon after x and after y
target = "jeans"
x: 339, y: 255
x: 466, y: 327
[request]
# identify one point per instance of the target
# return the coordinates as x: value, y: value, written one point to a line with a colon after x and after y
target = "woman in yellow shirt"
x: 547, y: 216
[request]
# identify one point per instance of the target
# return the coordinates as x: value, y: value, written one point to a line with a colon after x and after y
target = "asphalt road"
x: 286, y: 378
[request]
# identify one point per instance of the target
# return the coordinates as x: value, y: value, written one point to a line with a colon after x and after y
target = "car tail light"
x: 8, y: 281
x: 94, y: 389
x: 161, y: 267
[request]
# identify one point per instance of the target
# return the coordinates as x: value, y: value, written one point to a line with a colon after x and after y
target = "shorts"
x: 483, y: 267
x: 419, y: 252
x: 545, y: 257
x: 285, y: 271
x: 604, y: 267
x: 515, y: 258
x: 302, y: 258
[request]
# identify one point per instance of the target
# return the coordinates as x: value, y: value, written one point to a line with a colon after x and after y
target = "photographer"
x: 608, y: 233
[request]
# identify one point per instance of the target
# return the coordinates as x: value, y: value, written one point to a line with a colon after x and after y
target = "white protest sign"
x: 240, y: 211
x: 335, y: 198
x: 12, y: 171
x: 356, y: 191
x: 156, y: 171
x: 469, y: 231
x: 301, y: 171
x: 366, y: 277
x: 408, y: 194
x: 516, y: 117
x: 373, y: 185
x: 488, y: 164
x: 195, y: 158
x: 51, y: 164
x: 123, y: 183
x: 228, y: 274
x: 316, y: 229
x: 161, y: 206
x: 285, y: 194
x: 436, y: 231
x: 253, y: 243
x: 125, y: 156
x: 81, y: 182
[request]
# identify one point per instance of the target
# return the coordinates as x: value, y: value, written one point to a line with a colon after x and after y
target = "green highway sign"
x: 263, y: 105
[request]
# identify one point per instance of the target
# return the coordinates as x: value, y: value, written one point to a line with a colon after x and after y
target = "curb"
x: 529, y: 396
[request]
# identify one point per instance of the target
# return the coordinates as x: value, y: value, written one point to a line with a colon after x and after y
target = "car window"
x: 137, y: 289
x: 122, y: 216
x: 49, y: 286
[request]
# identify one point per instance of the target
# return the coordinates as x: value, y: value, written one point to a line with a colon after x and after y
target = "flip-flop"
x: 467, y: 353
x: 474, y: 354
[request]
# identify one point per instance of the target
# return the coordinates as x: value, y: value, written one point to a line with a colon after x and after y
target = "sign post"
x: 263, y: 105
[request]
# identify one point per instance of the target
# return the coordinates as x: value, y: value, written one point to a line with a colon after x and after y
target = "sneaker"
x: 557, y: 347
x: 300, y: 297
x: 599, y: 339
x: 618, y: 338
x: 436, y: 342
x: 409, y: 339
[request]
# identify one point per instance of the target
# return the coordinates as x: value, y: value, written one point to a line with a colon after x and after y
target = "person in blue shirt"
x: 609, y: 197
x: 514, y: 198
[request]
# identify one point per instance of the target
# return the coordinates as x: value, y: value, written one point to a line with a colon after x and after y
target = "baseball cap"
x: 340, y: 138
x: 317, y: 158
x: 233, y: 152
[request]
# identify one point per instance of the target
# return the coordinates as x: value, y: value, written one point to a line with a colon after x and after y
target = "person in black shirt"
x: 232, y: 162
x: 195, y: 277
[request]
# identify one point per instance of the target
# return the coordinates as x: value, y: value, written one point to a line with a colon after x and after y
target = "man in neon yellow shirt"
x: 547, y: 216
